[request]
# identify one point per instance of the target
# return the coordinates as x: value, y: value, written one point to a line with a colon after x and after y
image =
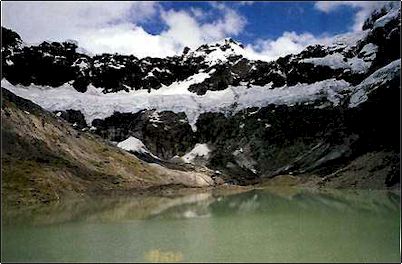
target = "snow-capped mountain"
x: 295, y: 114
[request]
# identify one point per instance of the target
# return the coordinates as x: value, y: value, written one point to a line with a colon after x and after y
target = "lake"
x: 261, y: 225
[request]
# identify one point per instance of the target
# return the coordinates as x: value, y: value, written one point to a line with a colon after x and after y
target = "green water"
x: 256, y: 226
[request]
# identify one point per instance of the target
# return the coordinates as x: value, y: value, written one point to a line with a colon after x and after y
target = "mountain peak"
x: 232, y: 41
x: 226, y: 43
x: 216, y: 52
x: 10, y: 38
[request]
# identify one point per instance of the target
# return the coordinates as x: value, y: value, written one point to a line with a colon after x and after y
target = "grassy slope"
x: 45, y: 159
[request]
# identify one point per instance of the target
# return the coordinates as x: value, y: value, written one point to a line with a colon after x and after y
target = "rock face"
x: 167, y: 134
x: 313, y: 112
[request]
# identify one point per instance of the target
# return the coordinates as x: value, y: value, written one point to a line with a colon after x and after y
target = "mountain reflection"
x: 258, y: 201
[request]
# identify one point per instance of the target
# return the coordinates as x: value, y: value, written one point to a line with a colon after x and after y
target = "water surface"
x: 282, y: 225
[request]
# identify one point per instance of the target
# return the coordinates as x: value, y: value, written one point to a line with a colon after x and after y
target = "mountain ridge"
x: 113, y: 72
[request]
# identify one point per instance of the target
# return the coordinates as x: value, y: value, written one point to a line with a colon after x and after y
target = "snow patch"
x: 371, y: 83
x: 117, y: 67
x: 94, y: 104
x: 133, y: 144
x: 213, y: 53
x: 382, y: 21
x: 155, y: 118
x: 200, y: 150
x: 369, y: 51
x: 181, y: 87
x: 347, y: 41
x: 338, y: 61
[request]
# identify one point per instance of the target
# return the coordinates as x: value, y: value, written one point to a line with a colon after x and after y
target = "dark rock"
x: 75, y: 117
x: 165, y: 134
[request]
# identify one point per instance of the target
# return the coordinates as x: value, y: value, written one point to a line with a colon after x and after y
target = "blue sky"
x: 159, y: 29
x: 271, y: 19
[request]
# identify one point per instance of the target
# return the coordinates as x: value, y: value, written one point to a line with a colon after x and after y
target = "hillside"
x: 45, y: 159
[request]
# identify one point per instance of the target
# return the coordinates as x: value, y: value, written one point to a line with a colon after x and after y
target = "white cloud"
x: 185, y: 30
x: 97, y: 26
x: 364, y: 9
x: 232, y: 24
x: 36, y: 21
x: 197, y: 12
x: 113, y: 26
x: 126, y: 39
x: 291, y: 42
x: 246, y: 2
x: 288, y: 43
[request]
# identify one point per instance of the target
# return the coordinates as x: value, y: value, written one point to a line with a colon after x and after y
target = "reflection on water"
x: 277, y: 225
x: 157, y: 255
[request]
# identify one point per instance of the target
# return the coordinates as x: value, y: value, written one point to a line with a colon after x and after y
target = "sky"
x: 158, y: 29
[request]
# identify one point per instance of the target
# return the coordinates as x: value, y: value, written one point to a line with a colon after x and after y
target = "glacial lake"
x: 264, y: 225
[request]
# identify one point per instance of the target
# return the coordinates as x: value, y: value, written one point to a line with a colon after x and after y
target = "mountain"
x: 331, y: 111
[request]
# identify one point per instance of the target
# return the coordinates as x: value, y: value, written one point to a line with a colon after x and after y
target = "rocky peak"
x: 216, y: 53
x: 10, y: 39
x: 185, y: 50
